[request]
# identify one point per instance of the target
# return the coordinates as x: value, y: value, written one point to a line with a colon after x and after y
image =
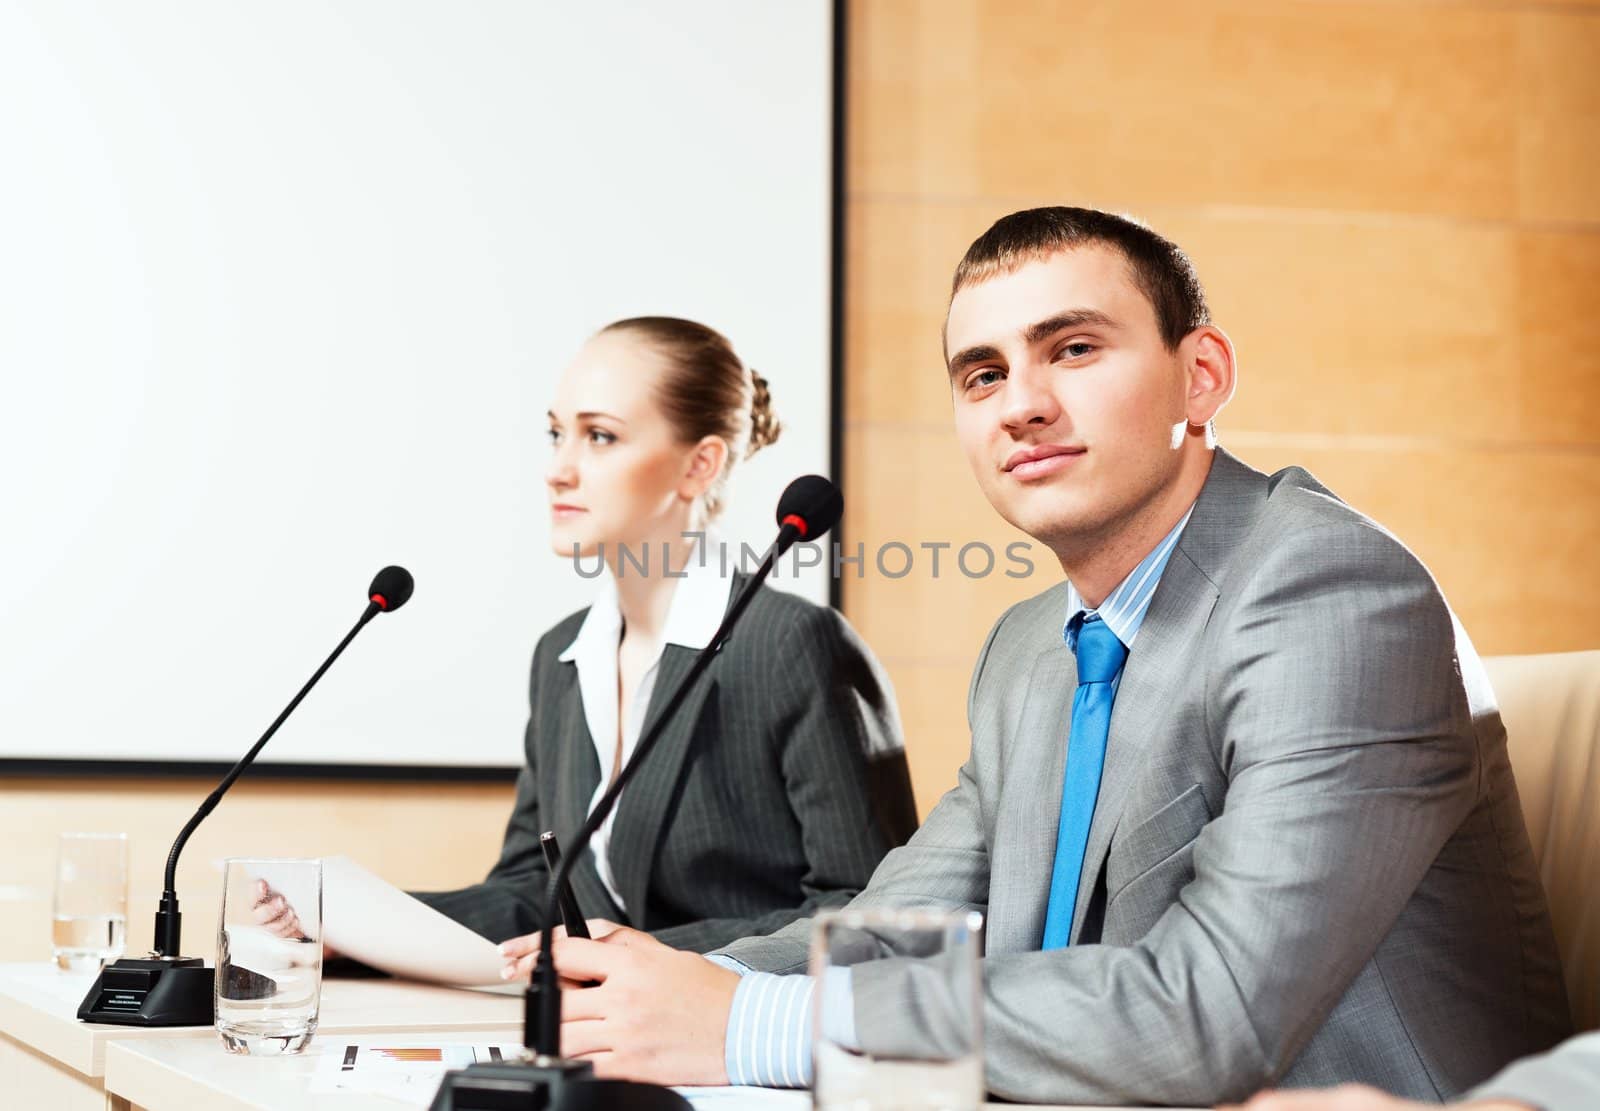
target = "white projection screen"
x: 284, y: 290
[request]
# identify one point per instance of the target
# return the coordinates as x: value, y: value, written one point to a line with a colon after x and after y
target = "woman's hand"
x: 521, y: 952
x: 272, y: 912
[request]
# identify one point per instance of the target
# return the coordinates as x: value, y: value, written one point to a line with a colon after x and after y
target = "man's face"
x: 1069, y: 407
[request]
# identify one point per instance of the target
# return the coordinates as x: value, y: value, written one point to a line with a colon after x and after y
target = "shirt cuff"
x: 768, y: 1040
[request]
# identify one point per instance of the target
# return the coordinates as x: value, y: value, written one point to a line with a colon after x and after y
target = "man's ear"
x: 1210, y: 373
x: 706, y: 461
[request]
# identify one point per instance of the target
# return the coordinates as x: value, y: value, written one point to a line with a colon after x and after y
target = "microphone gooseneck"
x: 809, y: 507
x: 391, y: 588
x: 166, y: 988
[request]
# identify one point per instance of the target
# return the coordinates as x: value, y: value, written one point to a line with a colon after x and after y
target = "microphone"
x: 809, y: 507
x: 391, y: 588
x: 166, y: 989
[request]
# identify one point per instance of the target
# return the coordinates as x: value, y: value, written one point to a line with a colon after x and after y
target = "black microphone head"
x: 391, y: 588
x: 812, y: 504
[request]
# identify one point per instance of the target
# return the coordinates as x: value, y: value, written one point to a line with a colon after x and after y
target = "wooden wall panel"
x: 1135, y: 102
x: 933, y: 702
x: 1558, y: 101
x: 1395, y: 207
x: 1558, y: 331
x: 900, y: 258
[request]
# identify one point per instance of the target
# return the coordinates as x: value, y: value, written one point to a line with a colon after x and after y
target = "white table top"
x: 187, y: 1072
x: 198, y: 1072
x: 39, y: 1005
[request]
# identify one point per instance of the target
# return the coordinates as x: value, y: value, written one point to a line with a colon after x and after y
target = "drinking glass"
x: 939, y: 1065
x: 90, y: 912
x: 269, y: 955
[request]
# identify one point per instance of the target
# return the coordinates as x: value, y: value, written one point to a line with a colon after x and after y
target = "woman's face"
x: 618, y: 474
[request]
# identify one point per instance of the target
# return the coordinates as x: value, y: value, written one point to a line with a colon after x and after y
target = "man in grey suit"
x: 1237, y: 809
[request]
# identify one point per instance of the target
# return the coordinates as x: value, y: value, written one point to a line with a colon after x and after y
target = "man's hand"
x: 1354, y: 1097
x: 654, y: 1014
x: 521, y: 952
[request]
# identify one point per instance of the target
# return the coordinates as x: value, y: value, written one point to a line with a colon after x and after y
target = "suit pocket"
x: 1155, y: 840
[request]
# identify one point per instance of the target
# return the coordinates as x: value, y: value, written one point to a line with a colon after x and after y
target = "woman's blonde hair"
x: 706, y: 390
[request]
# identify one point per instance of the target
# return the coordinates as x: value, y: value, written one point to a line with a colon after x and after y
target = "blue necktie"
x: 1100, y: 655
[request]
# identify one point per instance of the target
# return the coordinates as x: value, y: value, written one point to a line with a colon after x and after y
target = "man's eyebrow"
x: 1061, y: 321
x: 970, y: 356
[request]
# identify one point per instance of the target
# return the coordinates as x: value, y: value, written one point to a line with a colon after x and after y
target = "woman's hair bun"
x: 764, y: 424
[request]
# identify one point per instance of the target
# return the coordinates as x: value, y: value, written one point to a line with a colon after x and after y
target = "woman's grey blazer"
x: 773, y: 794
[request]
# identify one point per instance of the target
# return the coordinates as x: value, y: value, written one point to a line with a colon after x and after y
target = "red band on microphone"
x: 798, y: 522
x: 382, y: 602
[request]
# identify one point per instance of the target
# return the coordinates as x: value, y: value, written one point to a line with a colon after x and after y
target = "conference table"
x: 48, y: 1059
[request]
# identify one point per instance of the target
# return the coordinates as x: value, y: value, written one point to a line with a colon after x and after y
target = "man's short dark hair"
x: 1159, y: 267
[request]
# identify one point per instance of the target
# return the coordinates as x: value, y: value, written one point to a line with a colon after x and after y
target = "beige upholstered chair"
x: 1551, y: 708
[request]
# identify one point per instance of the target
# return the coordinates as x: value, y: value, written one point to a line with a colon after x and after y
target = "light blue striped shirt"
x: 770, y: 1024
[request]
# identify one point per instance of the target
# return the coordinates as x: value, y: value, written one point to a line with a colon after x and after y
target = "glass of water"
x: 269, y: 955
x: 931, y: 1058
x: 90, y: 923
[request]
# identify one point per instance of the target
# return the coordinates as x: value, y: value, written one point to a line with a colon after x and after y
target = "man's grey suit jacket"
x: 1307, y: 863
x: 773, y: 793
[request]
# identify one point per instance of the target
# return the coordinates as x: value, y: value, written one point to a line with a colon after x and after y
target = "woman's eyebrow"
x: 587, y: 414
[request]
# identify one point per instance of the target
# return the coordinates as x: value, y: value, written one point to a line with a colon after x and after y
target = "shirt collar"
x: 1124, y: 608
x: 699, y: 603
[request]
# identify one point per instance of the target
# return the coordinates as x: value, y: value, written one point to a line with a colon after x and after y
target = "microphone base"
x: 547, y: 1084
x: 152, y: 991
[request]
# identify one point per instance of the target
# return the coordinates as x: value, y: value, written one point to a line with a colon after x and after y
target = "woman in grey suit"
x: 781, y: 782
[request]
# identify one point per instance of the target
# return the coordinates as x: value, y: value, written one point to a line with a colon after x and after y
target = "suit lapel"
x: 568, y: 745
x: 1030, y: 808
x: 570, y: 749
x: 642, y: 810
